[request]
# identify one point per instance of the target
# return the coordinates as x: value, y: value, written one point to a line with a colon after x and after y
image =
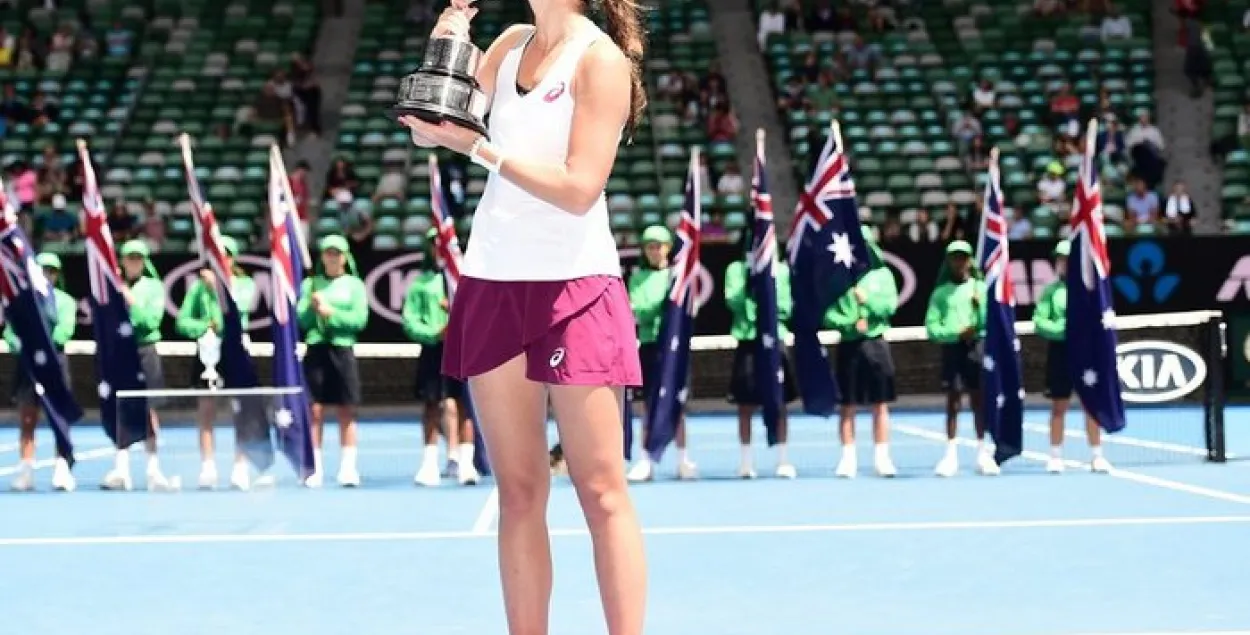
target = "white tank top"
x: 516, y: 235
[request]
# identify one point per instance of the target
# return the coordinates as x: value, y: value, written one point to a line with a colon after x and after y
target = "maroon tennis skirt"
x: 574, y: 332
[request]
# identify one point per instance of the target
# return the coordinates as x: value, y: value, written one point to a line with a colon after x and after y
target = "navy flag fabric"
x: 761, y: 263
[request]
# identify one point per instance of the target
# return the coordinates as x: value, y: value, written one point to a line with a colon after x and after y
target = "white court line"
x: 1115, y: 439
x: 1168, y: 633
x: 88, y: 455
x: 419, y: 536
x: 1176, y: 486
x: 8, y: 447
x: 486, y: 518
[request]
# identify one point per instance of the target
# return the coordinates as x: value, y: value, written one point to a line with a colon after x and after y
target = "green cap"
x: 959, y: 247
x: 657, y: 234
x: 135, y: 247
x: 48, y: 261
x: 1055, y: 168
x: 230, y: 245
x: 431, y: 233
x: 335, y: 242
x: 1063, y: 249
x: 868, y: 234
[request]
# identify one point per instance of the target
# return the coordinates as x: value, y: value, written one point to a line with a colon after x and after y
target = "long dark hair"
x: 624, y: 24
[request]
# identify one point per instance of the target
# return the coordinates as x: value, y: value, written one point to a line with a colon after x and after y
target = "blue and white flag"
x: 761, y: 263
x: 1002, y: 390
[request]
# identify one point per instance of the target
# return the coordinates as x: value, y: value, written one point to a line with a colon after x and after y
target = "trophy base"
x: 431, y: 113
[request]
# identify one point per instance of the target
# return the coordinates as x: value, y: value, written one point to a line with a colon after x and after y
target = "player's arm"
x: 352, y: 316
x: 881, y: 294
x: 935, y: 322
x: 736, y: 287
x: 416, y: 317
x: 66, y: 318
x: 189, y: 323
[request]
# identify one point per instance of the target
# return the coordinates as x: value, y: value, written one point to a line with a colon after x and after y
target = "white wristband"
x: 476, y: 157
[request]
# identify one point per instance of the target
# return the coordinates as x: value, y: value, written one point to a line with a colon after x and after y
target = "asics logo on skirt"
x: 556, y: 358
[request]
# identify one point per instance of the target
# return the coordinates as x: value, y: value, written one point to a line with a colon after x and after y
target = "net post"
x: 1214, y: 397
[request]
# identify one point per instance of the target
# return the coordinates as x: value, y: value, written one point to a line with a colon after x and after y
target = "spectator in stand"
x: 122, y: 223
x: 58, y: 225
x: 962, y: 224
x: 823, y: 18
x: 29, y: 54
x: 1051, y: 189
x: 1020, y: 228
x: 967, y: 128
x: 1142, y: 205
x: 861, y: 55
x: 270, y: 107
x: 824, y: 96
x: 978, y: 157
x: 307, y: 92
x: 1047, y: 8
x: 359, y: 230
x: 731, y: 181
x: 772, y: 20
x: 1064, y: 106
x: 722, y: 125
x: 983, y: 97
x: 892, y: 231
x: 61, y: 51
x: 706, y: 178
x: 8, y: 48
x: 52, y: 177
x: 713, y: 230
x: 793, y: 94
x: 341, y: 179
x: 299, y: 191
x: 153, y: 231
x: 118, y: 40
x: 1198, y: 65
x: 393, y: 184
x: 1116, y: 26
x: 1146, y: 148
x: 1187, y: 11
x: 809, y: 70
x: 1110, y: 145
x: 42, y: 112
x: 923, y: 230
x: 88, y: 45
x: 881, y: 17
x: 25, y: 184
x: 1180, y: 211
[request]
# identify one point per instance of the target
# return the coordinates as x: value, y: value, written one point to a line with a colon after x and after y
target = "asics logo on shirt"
x: 556, y: 358
x: 554, y: 93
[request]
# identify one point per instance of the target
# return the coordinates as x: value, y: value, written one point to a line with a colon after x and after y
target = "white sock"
x: 747, y: 457
x: 349, y: 456
x: 783, y: 455
x: 952, y: 448
x: 429, y: 455
x: 316, y: 461
x: 466, y: 454
x: 207, y: 465
x: 121, y: 461
x: 1096, y: 450
x: 683, y: 455
x: 154, y: 464
x: 848, y: 449
x: 453, y: 454
x: 1056, y: 451
x: 882, y: 450
x: 26, y: 465
x: 980, y: 446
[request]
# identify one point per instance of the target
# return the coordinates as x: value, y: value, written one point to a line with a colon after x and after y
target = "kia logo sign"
x: 180, y: 279
x: 1157, y: 372
x: 388, y: 282
x: 907, y: 277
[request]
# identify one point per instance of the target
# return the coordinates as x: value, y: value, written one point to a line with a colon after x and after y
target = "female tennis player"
x: 542, y: 309
x: 425, y: 316
x: 864, y: 366
x: 956, y: 320
x: 1050, y: 321
x: 333, y: 309
x: 743, y: 386
x: 647, y: 290
x: 61, y: 324
x: 145, y: 294
x: 200, y: 319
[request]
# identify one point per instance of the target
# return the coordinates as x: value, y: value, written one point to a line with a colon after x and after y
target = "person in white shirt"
x: 1116, y: 26
x: 731, y: 181
x: 1144, y: 132
x: 1051, y: 187
x: 983, y: 96
x: 541, y: 314
x: 772, y: 20
x: 1179, y: 211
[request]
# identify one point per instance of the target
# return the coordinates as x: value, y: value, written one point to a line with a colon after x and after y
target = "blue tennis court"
x: 1155, y: 547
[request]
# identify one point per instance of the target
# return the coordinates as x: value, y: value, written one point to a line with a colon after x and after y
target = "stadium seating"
x: 897, y: 122
x: 1231, y: 59
x: 645, y: 184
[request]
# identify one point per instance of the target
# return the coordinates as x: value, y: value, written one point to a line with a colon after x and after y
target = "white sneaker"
x: 746, y: 472
x: 117, y: 480
x: 642, y: 470
x: 884, y: 466
x: 428, y: 475
x: 787, y: 471
x: 848, y: 465
x: 1101, y: 465
x: 467, y: 475
x: 25, y: 479
x: 157, y: 482
x: 687, y: 471
x: 240, y: 477
x: 349, y: 476
x: 62, y: 477
x: 208, y: 477
x: 265, y: 481
x: 986, y: 466
x: 1054, y: 465
x: 948, y: 466
x: 314, y: 481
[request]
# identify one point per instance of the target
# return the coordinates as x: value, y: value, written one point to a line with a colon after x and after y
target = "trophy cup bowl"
x: 445, y: 87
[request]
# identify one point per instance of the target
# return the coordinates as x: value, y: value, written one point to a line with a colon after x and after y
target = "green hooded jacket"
x: 1050, y: 316
x: 955, y: 307
x: 425, y: 308
x: 346, y: 296
x: 200, y: 310
x: 148, y: 293
x: 880, y: 300
x: 647, y: 289
x: 742, y: 305
x: 61, y: 325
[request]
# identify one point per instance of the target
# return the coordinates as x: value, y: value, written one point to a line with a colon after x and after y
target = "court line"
x: 490, y: 512
x: 1167, y: 633
x: 1115, y: 439
x: 9, y: 447
x: 97, y: 453
x: 1137, y: 477
x: 418, y: 536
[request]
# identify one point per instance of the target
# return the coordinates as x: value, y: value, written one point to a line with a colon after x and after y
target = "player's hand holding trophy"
x: 445, y: 87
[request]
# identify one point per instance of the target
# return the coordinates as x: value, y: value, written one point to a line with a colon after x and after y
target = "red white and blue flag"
x: 293, y: 416
x: 1002, y: 390
x: 761, y: 263
x: 117, y: 351
x: 29, y: 303
x: 665, y: 405
x: 828, y: 255
x: 1091, y: 335
x: 447, y: 247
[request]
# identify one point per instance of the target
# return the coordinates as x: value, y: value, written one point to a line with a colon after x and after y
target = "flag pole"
x: 188, y: 162
x: 835, y: 129
x: 759, y: 142
x: 277, y: 164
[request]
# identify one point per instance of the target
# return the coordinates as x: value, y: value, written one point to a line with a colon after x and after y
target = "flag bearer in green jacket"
x: 742, y: 386
x: 145, y: 295
x: 864, y: 366
x: 200, y: 319
x: 647, y: 290
x: 956, y: 320
x: 61, y: 324
x: 1050, y: 322
x: 333, y: 309
x: 426, y: 308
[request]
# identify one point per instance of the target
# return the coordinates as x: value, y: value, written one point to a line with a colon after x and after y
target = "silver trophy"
x: 209, y: 346
x: 445, y: 87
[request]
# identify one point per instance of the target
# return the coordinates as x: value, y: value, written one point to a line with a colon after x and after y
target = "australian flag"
x: 117, y: 352
x: 665, y: 405
x: 827, y: 256
x: 293, y: 416
x: 1091, y: 336
x: 1002, y: 391
x: 28, y: 300
x: 762, y: 282
x: 238, y: 371
x: 447, y: 246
